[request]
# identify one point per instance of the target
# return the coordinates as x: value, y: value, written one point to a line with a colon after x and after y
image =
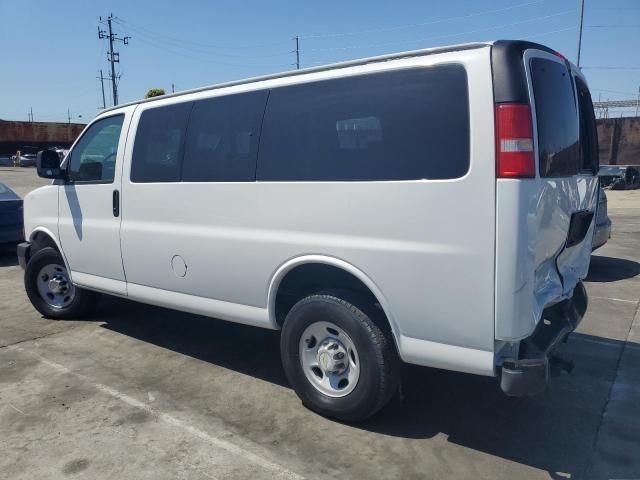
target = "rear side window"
x: 159, y: 144
x: 222, y: 138
x: 557, y: 119
x: 401, y: 125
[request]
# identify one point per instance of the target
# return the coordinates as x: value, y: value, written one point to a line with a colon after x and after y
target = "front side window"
x: 159, y: 144
x: 93, y: 159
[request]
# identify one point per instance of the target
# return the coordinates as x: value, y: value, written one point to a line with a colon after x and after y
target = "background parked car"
x: 25, y: 157
x: 27, y: 160
x: 619, y: 177
x: 11, y: 217
x: 602, y: 231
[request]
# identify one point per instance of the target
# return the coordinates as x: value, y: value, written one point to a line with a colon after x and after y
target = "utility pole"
x: 297, y: 39
x: 68, y: 116
x: 113, y: 57
x: 173, y: 90
x: 104, y: 101
x: 580, y: 32
x: 30, y: 114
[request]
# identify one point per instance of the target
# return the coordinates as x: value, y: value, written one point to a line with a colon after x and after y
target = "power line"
x: 297, y: 51
x: 496, y: 27
x: 573, y: 27
x: 610, y: 68
x: 580, y: 32
x: 422, y: 24
x: 612, y: 26
x: 113, y: 57
x: 201, y: 59
x: 188, y: 42
x: 614, y: 91
x: 617, y: 8
x: 190, y: 49
x: 102, y: 79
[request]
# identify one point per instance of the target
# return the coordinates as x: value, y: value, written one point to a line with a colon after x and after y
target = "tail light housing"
x: 514, y: 141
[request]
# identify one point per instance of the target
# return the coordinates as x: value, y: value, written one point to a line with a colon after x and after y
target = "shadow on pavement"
x: 610, y: 269
x: 554, y: 431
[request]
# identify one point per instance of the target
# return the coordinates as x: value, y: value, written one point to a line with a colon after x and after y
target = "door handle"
x: 116, y: 203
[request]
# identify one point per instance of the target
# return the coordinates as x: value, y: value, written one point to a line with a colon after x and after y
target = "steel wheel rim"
x: 54, y: 286
x: 329, y: 359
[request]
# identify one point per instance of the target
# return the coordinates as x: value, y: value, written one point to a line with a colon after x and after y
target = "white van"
x: 430, y: 207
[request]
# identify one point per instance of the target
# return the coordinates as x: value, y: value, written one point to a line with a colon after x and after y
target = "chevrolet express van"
x: 433, y: 207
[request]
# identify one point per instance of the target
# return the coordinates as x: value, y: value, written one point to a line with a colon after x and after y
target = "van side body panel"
x: 427, y: 245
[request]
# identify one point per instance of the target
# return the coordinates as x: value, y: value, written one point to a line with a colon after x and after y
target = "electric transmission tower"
x: 113, y: 57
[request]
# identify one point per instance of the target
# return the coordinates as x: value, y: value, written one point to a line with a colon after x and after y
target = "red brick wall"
x: 37, y: 133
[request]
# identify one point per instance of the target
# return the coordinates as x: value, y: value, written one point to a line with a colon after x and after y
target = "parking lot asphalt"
x: 143, y: 392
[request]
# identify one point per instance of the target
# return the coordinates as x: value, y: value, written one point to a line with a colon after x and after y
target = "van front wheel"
x: 338, y: 360
x: 50, y: 290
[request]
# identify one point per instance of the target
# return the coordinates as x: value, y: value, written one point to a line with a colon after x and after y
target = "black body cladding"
x: 509, y: 76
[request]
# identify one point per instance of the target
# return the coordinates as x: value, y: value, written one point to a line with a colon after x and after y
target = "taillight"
x: 514, y: 141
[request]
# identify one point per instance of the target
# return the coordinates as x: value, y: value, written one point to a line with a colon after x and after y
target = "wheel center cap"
x: 55, y: 285
x: 332, y: 356
x: 325, y: 360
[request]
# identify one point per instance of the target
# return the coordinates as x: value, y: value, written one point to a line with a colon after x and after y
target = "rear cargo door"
x: 565, y: 146
x: 545, y: 223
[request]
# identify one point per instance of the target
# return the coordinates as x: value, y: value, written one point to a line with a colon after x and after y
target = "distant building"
x: 619, y: 140
x: 17, y: 135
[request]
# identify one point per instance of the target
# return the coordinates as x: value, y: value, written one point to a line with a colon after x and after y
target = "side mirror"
x: 48, y: 164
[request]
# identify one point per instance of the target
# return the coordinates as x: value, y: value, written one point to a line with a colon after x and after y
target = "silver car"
x: 602, y: 231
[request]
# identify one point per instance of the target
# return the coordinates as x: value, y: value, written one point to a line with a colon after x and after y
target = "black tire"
x: 379, y: 363
x: 83, y: 301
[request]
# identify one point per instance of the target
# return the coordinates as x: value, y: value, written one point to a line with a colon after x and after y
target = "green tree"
x: 154, y: 92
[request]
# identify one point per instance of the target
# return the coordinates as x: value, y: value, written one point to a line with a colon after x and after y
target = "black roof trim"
x: 509, y: 76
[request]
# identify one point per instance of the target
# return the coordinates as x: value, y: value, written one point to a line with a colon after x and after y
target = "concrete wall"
x: 15, y: 135
x: 619, y: 141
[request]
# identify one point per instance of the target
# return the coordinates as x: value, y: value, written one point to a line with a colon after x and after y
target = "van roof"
x: 332, y: 66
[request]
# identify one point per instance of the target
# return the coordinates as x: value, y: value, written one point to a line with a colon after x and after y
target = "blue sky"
x: 51, y: 54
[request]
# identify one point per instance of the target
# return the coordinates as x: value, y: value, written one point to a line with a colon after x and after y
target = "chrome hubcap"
x: 329, y: 359
x: 54, y: 286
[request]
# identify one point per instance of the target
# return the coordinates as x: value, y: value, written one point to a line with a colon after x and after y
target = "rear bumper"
x: 528, y: 374
x: 24, y: 251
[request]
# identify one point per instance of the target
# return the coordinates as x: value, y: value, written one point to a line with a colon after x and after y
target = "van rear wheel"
x: 50, y: 290
x: 339, y: 361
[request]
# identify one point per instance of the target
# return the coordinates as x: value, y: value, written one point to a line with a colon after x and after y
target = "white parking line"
x: 614, y: 299
x: 229, y: 447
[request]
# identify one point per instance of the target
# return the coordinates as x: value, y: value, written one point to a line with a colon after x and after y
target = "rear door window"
x: 222, y: 138
x: 557, y: 119
x: 399, y: 125
x: 159, y: 144
x: 588, y: 130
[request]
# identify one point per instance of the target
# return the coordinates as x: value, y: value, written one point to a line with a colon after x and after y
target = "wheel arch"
x: 308, y: 260
x: 44, y: 237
